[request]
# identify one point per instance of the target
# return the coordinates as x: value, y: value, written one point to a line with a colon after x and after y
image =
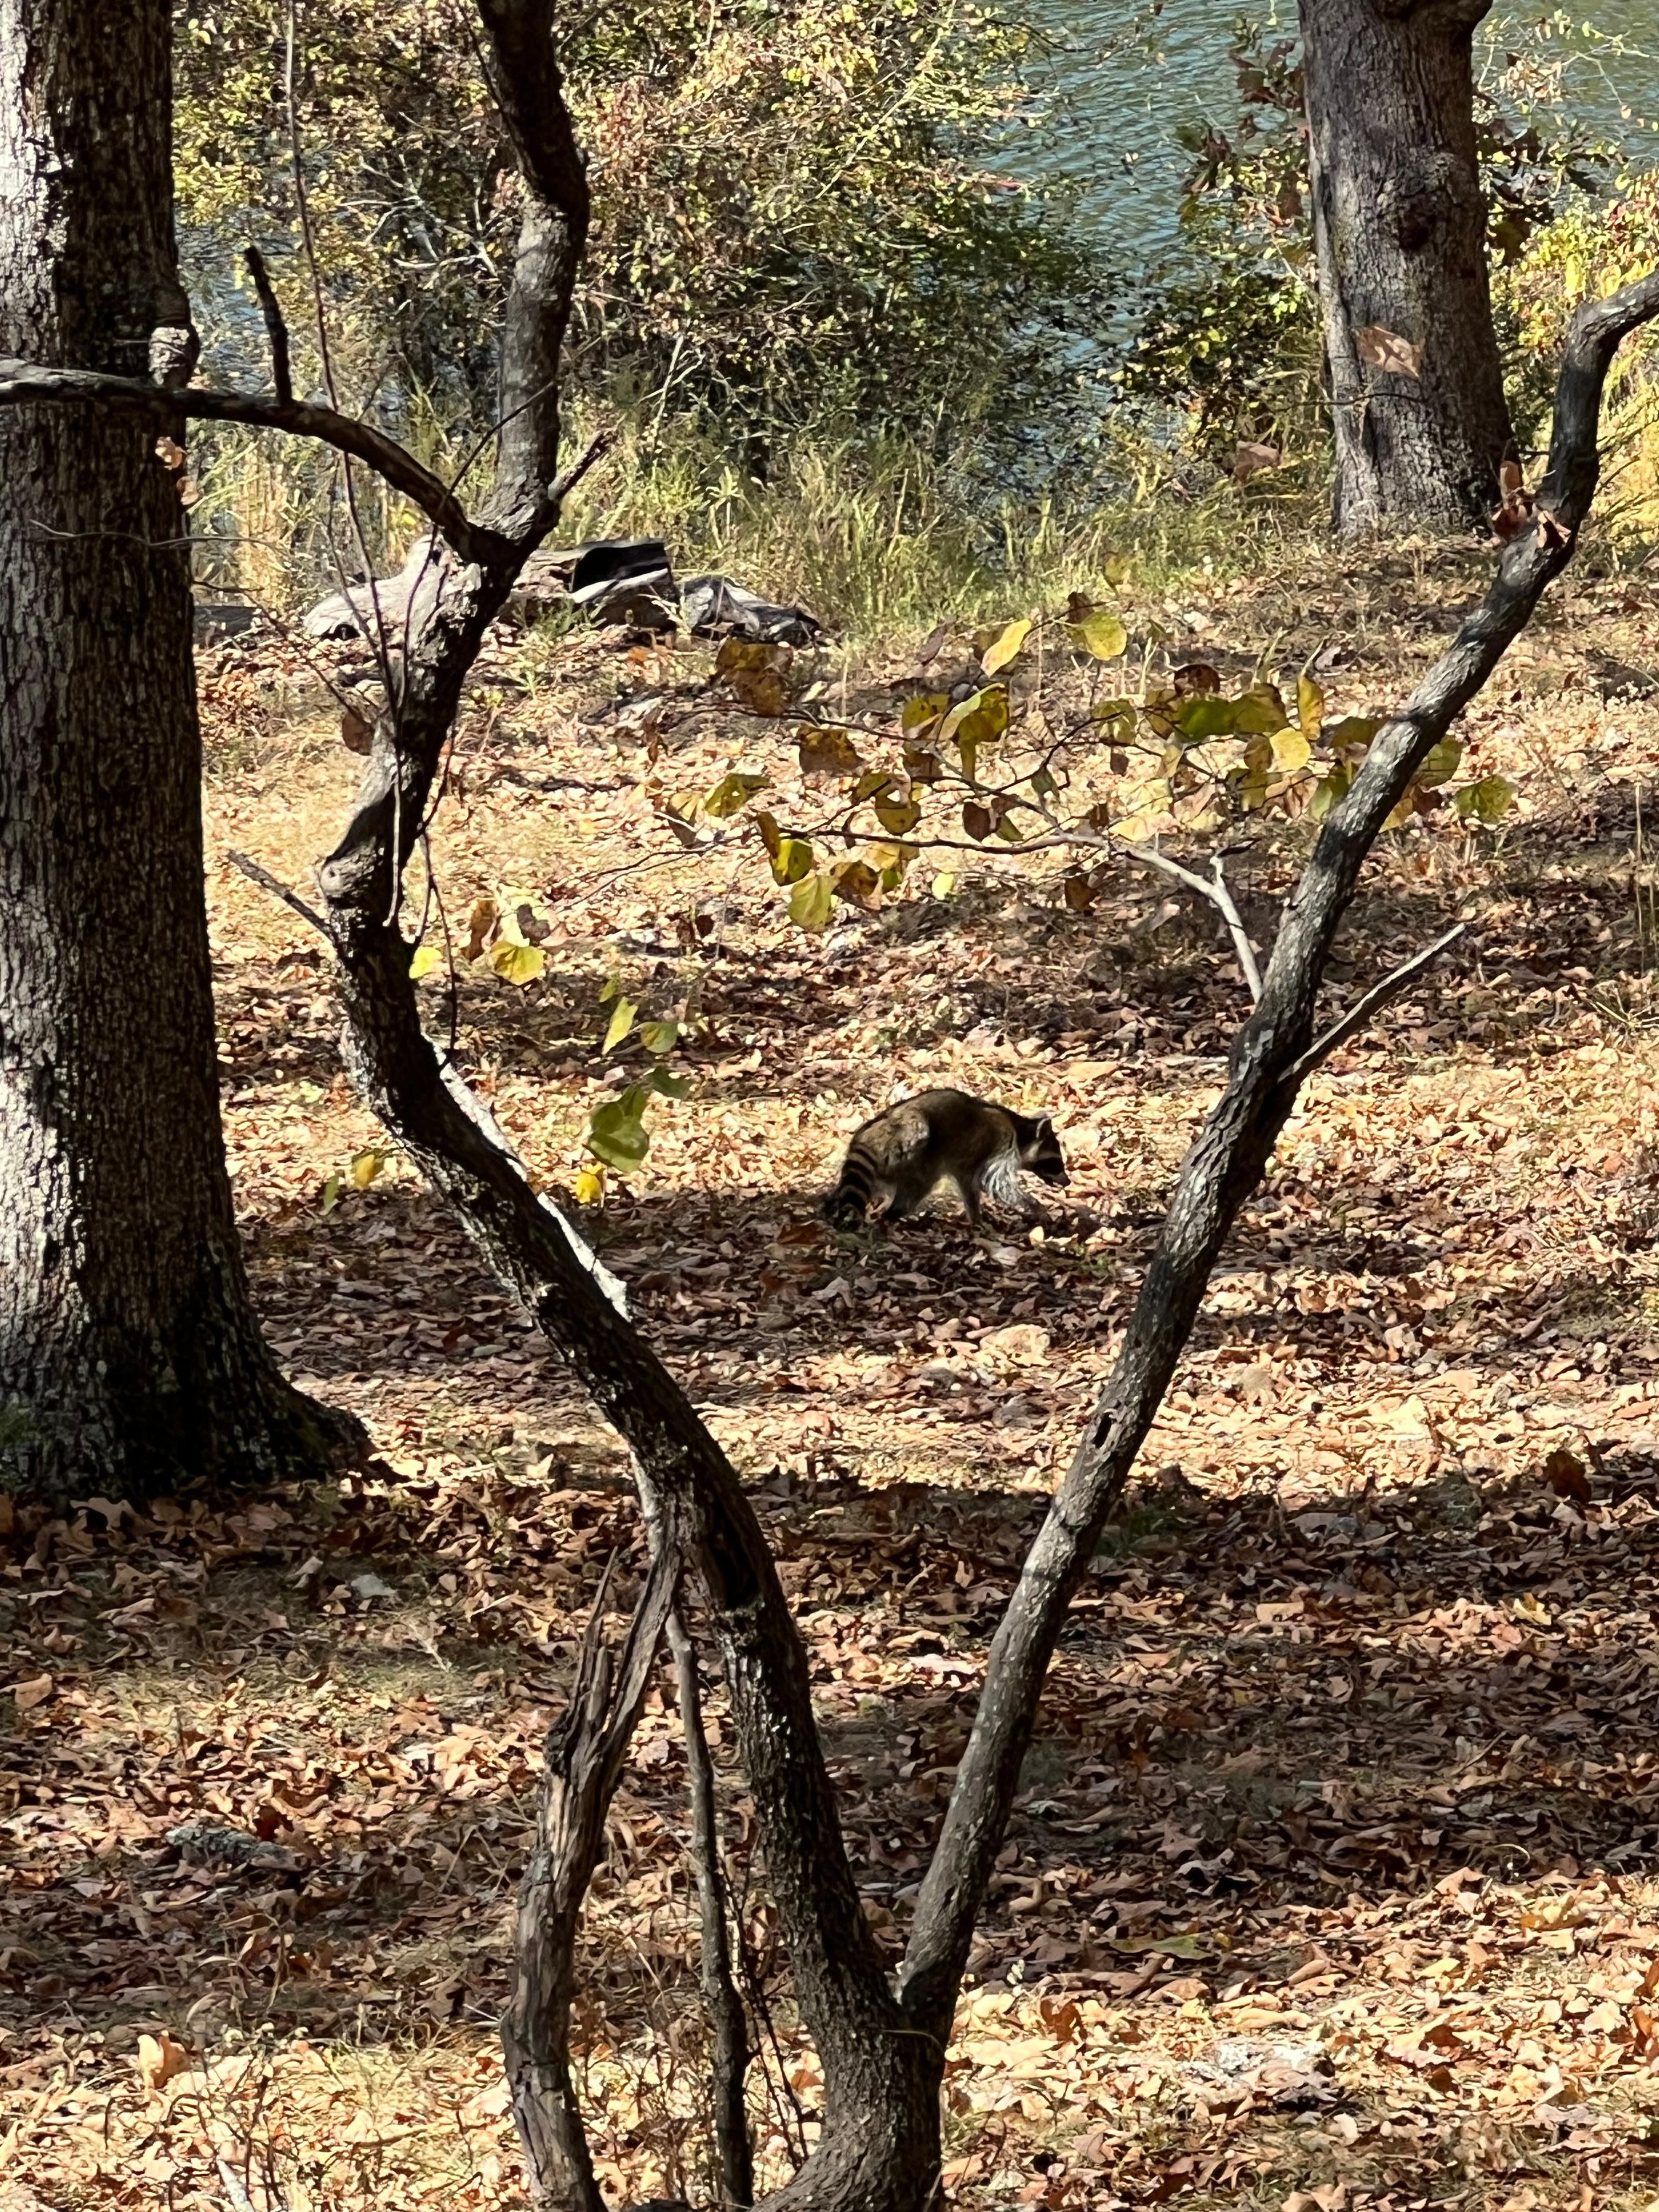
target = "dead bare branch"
x: 1362, y: 1009
x: 277, y: 887
x: 281, y: 375
x: 1213, y: 888
x: 720, y: 1989
x: 586, y: 1748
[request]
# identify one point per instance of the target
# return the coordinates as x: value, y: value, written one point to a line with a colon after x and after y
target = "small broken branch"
x: 586, y: 1748
x: 277, y: 888
x: 720, y: 1989
x: 466, y: 1098
x: 281, y: 375
x: 1360, y: 1013
x: 1212, y: 887
x: 24, y: 384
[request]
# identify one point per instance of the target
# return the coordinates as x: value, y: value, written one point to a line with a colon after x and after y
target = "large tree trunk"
x: 130, y: 1358
x: 1401, y: 230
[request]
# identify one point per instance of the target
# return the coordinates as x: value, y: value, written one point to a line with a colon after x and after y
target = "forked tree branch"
x: 1212, y: 887
x: 24, y: 384
x: 1226, y: 1163
x: 275, y: 329
x: 1360, y: 1013
x: 583, y: 1764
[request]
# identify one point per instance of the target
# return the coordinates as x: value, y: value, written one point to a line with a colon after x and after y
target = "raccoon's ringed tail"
x: 849, y: 1201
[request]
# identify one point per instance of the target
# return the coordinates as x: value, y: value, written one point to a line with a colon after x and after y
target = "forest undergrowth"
x: 1333, y: 1880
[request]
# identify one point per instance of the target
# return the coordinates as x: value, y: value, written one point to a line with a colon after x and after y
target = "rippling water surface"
x: 1114, y: 131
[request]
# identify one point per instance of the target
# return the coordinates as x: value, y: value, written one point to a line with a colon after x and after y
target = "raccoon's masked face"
x: 1040, y: 1155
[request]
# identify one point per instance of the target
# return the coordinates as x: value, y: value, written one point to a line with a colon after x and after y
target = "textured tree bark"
x: 586, y: 1748
x: 1400, y: 228
x: 130, y: 1358
x: 720, y: 2000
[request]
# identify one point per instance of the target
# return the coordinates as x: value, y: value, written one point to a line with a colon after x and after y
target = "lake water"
x: 1112, y: 129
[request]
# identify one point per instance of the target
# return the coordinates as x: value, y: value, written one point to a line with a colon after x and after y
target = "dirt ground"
x: 1334, y: 1878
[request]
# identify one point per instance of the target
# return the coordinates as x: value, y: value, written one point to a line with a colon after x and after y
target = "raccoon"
x: 900, y: 1155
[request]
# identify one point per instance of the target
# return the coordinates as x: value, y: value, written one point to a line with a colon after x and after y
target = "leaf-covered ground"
x: 1335, y: 1875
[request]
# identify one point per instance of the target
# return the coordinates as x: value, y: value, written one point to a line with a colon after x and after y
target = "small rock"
x: 208, y: 1845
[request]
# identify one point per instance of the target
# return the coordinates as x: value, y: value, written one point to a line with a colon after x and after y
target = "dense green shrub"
x: 797, y: 220
x: 1226, y: 329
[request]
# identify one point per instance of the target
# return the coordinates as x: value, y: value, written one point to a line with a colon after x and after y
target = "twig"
x: 281, y: 375
x: 582, y: 1765
x: 278, y: 889
x: 720, y: 1991
x: 1242, y: 945
x: 1363, y: 1008
x: 24, y: 383
x: 565, y: 482
x: 239, y: 2199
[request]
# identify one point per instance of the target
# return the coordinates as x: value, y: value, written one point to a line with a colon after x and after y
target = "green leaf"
x: 923, y: 707
x: 621, y: 1021
x: 986, y: 709
x: 365, y: 1166
x: 588, y: 1189
x: 1188, y: 1945
x: 1117, y: 718
x: 616, y: 1132
x: 1201, y: 719
x: 1006, y: 648
x: 659, y: 1036
x: 1291, y: 751
x: 1486, y: 802
x: 1100, y: 634
x: 1259, y: 713
x: 896, y: 816
x: 943, y: 884
x: 733, y: 793
x: 668, y: 1086
x: 791, y: 861
x: 516, y: 963
x: 1328, y: 790
x: 1309, y: 707
x: 871, y: 784
x: 811, y: 902
x: 332, y: 1192
x: 1441, y: 764
x: 426, y: 958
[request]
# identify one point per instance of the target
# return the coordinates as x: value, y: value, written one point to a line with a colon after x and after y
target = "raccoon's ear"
x: 1045, y: 1127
